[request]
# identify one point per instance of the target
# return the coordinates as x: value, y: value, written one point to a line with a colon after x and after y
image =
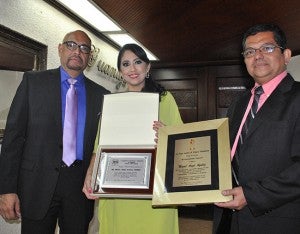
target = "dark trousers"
x: 69, y: 207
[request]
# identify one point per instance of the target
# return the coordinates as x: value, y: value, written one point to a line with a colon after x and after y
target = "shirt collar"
x: 64, y: 76
x: 271, y: 85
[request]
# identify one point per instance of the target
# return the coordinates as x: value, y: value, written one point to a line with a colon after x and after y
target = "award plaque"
x: 125, y: 173
x: 126, y: 170
x: 193, y: 163
x: 125, y: 159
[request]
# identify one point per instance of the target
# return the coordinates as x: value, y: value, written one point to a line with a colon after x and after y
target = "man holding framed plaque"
x: 265, y: 143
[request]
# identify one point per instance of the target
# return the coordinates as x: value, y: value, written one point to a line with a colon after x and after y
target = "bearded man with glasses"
x: 265, y: 156
x: 38, y: 183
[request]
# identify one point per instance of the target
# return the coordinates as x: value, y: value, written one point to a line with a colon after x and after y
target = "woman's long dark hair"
x: 150, y: 85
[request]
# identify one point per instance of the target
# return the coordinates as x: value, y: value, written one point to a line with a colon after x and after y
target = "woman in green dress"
x: 137, y: 216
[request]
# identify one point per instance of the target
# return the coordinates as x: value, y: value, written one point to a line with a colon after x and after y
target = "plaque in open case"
x: 125, y: 173
x: 125, y: 160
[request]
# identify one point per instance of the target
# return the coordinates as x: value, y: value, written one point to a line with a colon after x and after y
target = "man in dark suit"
x: 35, y: 184
x: 266, y: 163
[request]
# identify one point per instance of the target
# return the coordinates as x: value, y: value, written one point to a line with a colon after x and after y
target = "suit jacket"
x: 269, y: 167
x: 32, y: 146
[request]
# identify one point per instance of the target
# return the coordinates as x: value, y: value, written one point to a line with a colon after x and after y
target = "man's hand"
x: 238, y: 202
x: 10, y: 206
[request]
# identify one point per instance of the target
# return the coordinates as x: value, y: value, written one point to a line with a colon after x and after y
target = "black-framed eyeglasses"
x: 71, y: 45
x: 265, y: 49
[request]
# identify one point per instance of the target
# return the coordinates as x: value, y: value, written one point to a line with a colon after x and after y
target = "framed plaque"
x: 125, y: 173
x: 193, y: 163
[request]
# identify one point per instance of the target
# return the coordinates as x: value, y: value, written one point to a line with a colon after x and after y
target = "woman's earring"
x: 147, y: 75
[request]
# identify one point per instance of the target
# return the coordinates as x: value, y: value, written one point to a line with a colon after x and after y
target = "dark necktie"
x: 250, y: 117
x: 70, y: 125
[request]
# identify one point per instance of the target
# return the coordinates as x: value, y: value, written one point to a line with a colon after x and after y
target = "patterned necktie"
x: 251, y: 115
x: 70, y: 125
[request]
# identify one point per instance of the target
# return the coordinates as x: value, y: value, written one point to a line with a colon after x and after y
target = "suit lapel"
x: 54, y: 83
x: 90, y: 113
x: 236, y: 119
x: 273, y: 104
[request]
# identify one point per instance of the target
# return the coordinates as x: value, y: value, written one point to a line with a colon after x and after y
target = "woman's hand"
x: 156, y: 126
x: 87, y: 188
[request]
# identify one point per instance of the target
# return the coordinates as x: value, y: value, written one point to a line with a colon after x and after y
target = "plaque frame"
x: 214, y: 170
x: 121, y: 191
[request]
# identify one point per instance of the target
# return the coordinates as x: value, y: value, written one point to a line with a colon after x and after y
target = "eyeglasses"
x: 265, y: 49
x: 71, y: 45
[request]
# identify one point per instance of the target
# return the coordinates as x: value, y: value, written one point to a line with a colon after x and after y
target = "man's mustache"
x: 76, y: 57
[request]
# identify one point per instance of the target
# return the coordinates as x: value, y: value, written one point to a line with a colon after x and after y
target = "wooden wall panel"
x: 185, y: 94
x: 184, y: 84
x: 231, y: 82
x: 203, y: 92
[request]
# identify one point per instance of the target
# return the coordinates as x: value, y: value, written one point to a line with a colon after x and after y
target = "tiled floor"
x: 194, y: 226
x: 186, y: 226
x: 195, y: 219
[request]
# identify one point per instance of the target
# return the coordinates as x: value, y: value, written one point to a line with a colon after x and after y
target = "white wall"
x: 9, y: 81
x: 294, y: 67
x: 40, y: 21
